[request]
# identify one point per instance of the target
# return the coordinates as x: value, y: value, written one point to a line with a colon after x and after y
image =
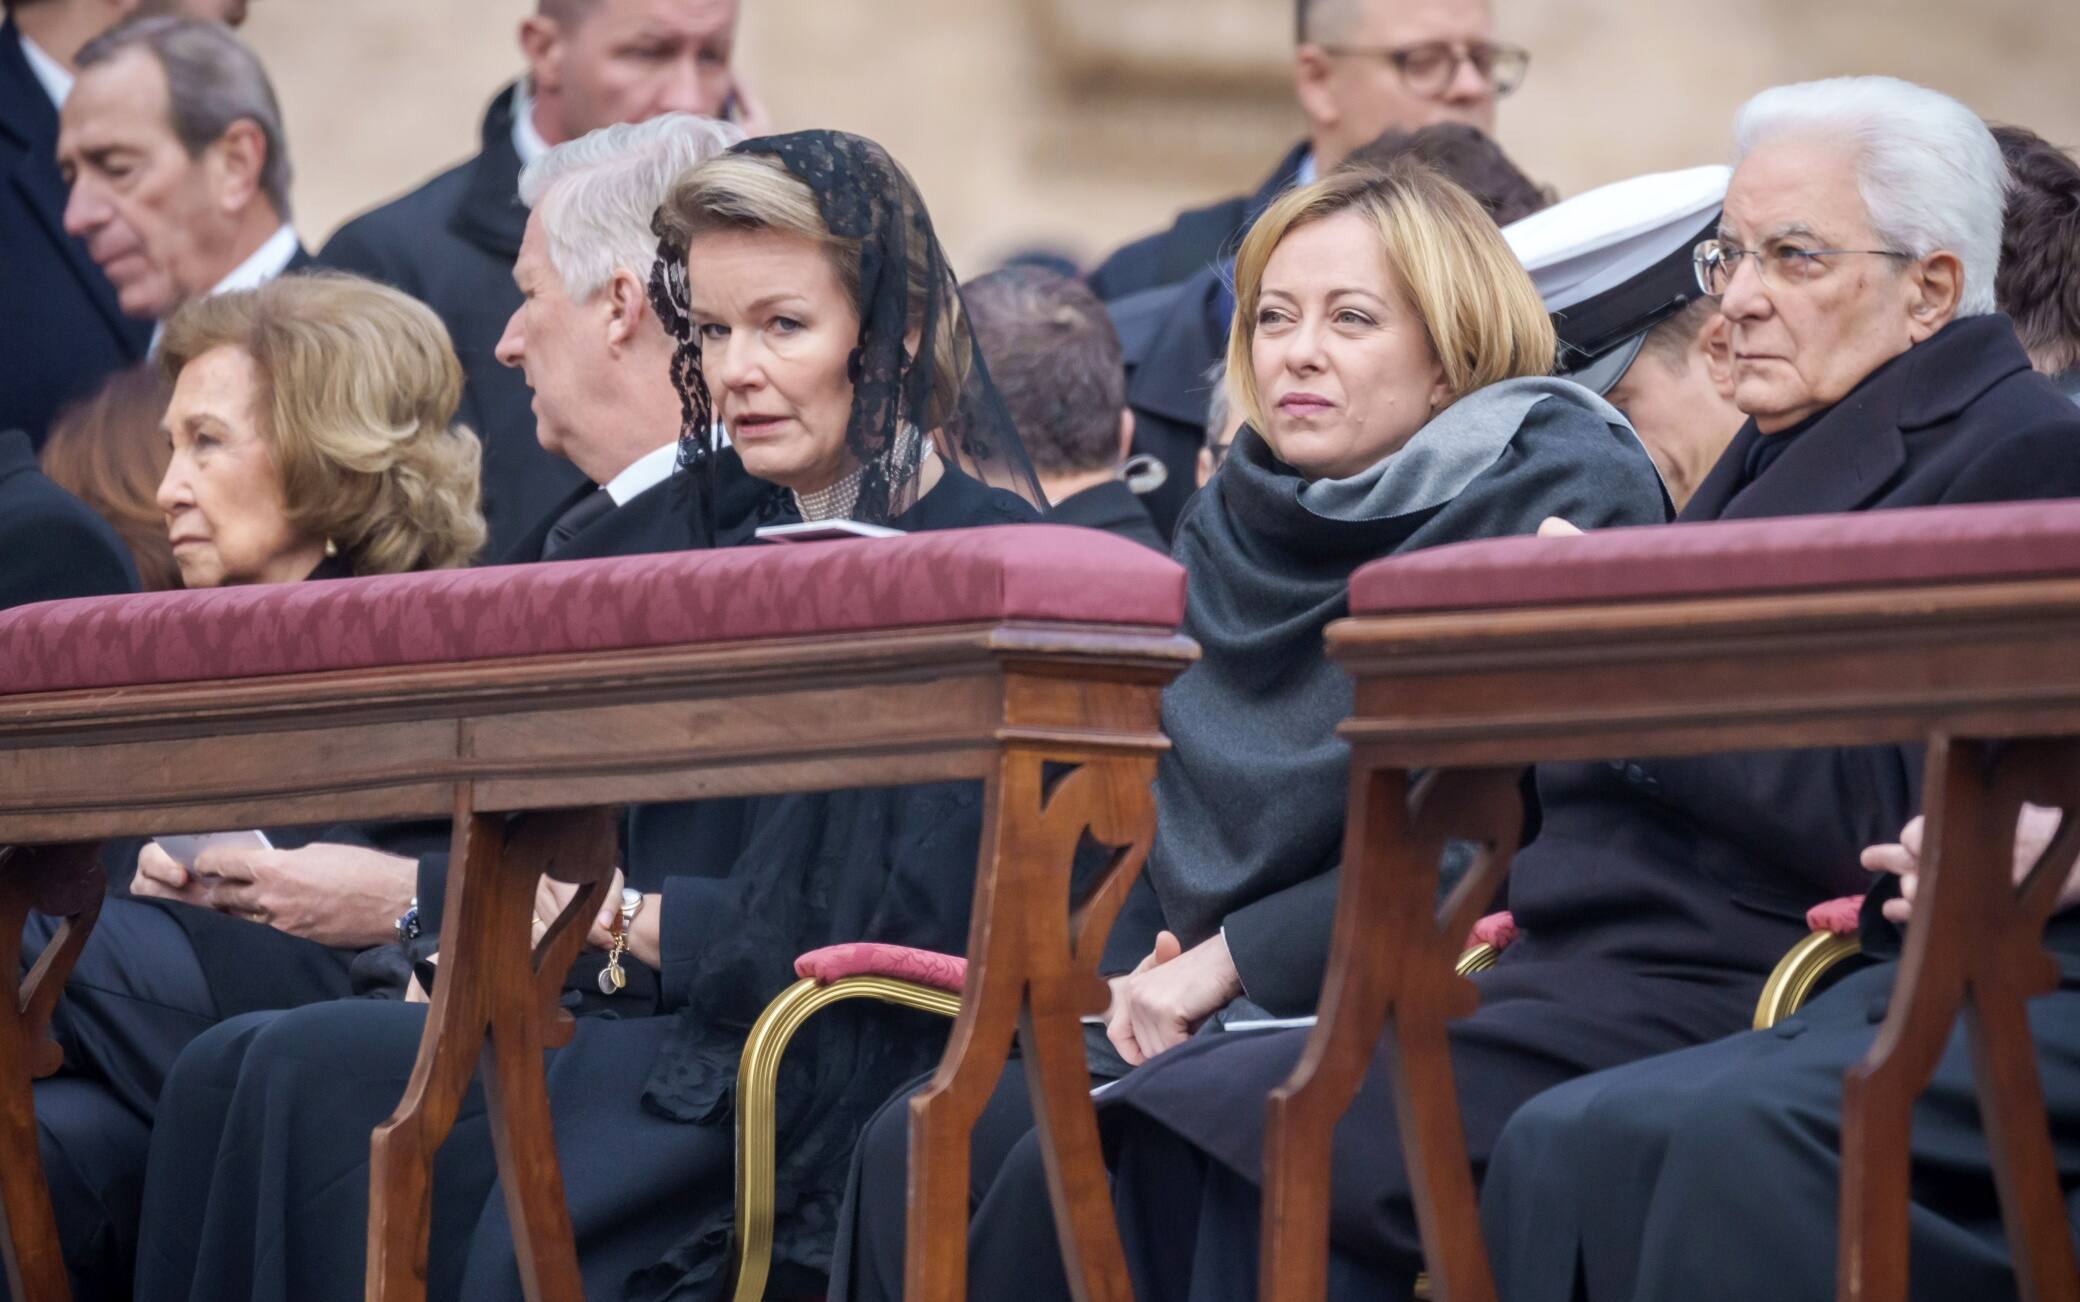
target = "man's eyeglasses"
x: 1782, y: 263
x: 1427, y: 69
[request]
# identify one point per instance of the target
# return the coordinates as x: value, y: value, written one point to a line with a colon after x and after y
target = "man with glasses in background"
x: 1360, y: 67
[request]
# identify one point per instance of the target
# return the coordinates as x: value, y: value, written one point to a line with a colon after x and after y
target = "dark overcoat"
x: 1659, y: 893
x: 61, y: 331
x: 1170, y: 337
x: 451, y: 244
x: 52, y: 544
x: 1198, y: 237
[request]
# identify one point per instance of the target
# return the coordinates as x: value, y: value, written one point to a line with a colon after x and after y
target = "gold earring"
x: 331, y: 548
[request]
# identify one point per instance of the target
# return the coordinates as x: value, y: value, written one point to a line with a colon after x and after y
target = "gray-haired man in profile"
x: 172, y: 148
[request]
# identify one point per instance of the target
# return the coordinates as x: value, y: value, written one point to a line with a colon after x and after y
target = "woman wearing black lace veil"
x: 822, y: 330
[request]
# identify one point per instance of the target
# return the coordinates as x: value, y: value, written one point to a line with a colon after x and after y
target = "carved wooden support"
x: 1025, y: 977
x: 1975, y: 946
x: 497, y: 994
x: 1392, y: 956
x: 63, y: 881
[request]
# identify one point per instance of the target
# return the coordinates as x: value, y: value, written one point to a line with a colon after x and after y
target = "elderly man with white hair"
x: 1855, y: 264
x: 1854, y: 260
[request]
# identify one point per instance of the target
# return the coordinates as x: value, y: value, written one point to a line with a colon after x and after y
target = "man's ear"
x: 1126, y: 433
x: 541, y: 44
x: 1714, y: 345
x: 1312, y: 69
x: 1935, y: 286
x: 627, y: 304
x: 235, y: 161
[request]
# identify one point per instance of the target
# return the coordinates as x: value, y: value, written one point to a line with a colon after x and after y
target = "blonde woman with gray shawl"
x: 1391, y: 357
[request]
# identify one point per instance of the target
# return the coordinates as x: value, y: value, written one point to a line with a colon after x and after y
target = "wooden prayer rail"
x: 1474, y: 694
x: 1058, y: 719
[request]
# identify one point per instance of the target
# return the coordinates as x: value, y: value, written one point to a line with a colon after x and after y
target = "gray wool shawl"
x: 1250, y: 800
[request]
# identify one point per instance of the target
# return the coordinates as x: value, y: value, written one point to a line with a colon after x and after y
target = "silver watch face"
x: 631, y: 900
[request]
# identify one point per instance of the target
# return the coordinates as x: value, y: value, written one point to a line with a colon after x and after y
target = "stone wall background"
x: 1075, y: 124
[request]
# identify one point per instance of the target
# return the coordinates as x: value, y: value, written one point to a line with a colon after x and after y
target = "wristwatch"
x: 408, y: 925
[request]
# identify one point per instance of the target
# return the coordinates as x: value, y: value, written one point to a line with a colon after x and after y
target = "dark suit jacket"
x: 1169, y: 338
x: 52, y: 544
x: 1730, y: 850
x: 61, y: 332
x: 1198, y: 236
x: 1112, y: 507
x: 451, y: 244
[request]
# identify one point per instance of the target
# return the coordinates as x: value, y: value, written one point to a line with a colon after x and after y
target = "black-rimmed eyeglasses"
x: 1427, y: 69
x: 1782, y: 263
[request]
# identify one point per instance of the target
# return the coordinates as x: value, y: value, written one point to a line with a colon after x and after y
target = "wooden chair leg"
x: 1393, y: 954
x: 1975, y: 946
x: 496, y: 998
x: 1025, y: 969
x: 59, y: 881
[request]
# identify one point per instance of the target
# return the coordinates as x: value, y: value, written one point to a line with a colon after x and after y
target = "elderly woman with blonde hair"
x: 313, y: 435
x: 1390, y: 358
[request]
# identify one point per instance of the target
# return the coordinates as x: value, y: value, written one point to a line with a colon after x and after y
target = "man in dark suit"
x: 1360, y: 67
x: 177, y: 168
x: 1658, y: 894
x: 452, y: 242
x: 62, y: 330
x: 51, y: 544
x: 1055, y: 358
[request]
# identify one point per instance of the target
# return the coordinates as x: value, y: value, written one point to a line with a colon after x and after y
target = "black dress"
x: 258, y: 1180
x: 1655, y: 900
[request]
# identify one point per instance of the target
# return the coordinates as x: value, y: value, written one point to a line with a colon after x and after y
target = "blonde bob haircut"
x: 358, y: 390
x: 1484, y: 319
x: 756, y: 192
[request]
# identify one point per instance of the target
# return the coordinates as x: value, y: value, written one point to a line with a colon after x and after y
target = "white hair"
x: 1929, y: 171
x: 596, y: 194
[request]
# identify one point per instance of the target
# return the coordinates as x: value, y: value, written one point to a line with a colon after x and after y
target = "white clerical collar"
x: 57, y: 81
x: 527, y: 141
x: 261, y: 265
x: 644, y: 473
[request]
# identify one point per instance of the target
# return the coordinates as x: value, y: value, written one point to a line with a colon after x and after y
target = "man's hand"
x: 2033, y: 833
x: 160, y: 876
x: 1161, y: 1002
x: 340, y: 895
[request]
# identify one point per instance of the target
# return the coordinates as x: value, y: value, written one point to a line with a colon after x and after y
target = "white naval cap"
x: 1613, y: 263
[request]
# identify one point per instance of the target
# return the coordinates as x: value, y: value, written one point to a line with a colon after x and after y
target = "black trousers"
x: 1714, y: 1173
x: 258, y: 1181
x: 135, y: 1000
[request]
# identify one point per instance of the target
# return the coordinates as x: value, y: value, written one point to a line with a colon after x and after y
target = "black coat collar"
x: 1171, y: 347
x: 17, y: 453
x: 489, y: 214
x: 30, y: 121
x: 1112, y: 507
x: 1855, y: 448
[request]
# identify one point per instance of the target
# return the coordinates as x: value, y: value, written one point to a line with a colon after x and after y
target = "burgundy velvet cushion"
x: 922, y: 967
x: 1497, y: 930
x: 1938, y: 544
x: 1836, y: 917
x: 1013, y: 572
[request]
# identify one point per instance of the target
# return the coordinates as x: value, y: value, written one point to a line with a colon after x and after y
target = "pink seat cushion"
x: 1938, y: 544
x: 1836, y: 917
x: 1048, y: 573
x: 922, y: 967
x: 1496, y: 930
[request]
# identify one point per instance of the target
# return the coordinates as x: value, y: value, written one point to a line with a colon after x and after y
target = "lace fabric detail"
x: 841, y: 500
x: 864, y: 195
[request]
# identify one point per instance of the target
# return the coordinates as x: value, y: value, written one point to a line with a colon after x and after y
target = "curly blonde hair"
x: 359, y: 387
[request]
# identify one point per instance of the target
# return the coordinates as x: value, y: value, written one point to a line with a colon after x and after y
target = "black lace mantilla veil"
x: 863, y: 194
